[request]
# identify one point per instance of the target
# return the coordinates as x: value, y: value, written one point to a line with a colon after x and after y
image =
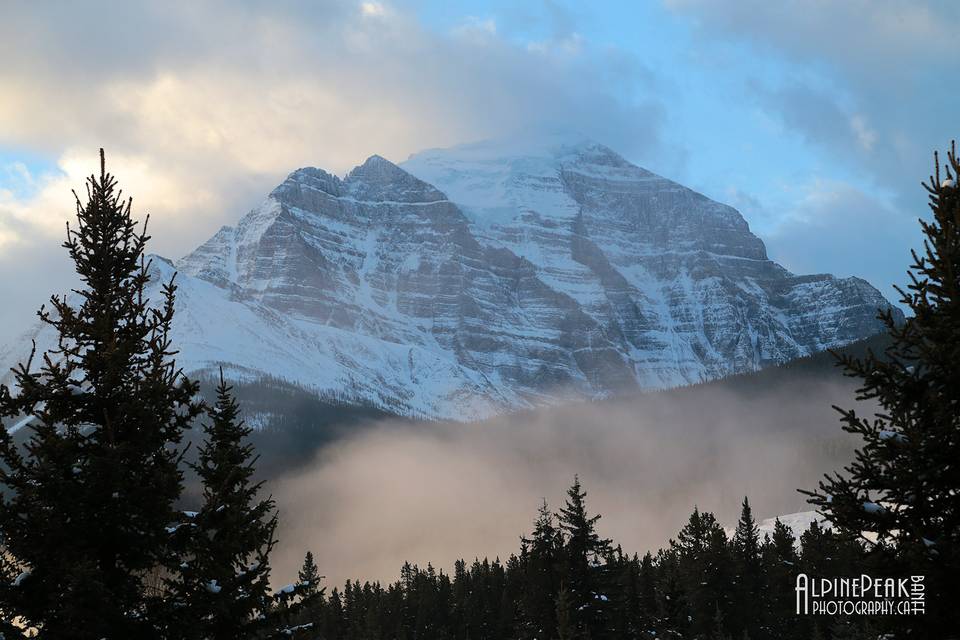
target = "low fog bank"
x: 442, y: 491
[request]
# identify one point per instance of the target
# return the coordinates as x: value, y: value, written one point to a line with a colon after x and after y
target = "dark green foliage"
x: 780, y: 567
x: 91, y: 543
x: 221, y: 585
x: 90, y: 497
x: 647, y: 608
x: 705, y: 566
x: 309, y: 574
x: 585, y: 572
x: 565, y: 624
x: 748, y: 580
x: 692, y: 589
x: 902, y: 491
x: 541, y: 558
x: 719, y: 627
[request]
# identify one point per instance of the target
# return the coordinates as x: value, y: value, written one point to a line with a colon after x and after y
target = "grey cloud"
x: 457, y: 88
x: 867, y: 84
x: 870, y: 39
x: 814, y: 113
x: 880, y: 66
x: 840, y: 229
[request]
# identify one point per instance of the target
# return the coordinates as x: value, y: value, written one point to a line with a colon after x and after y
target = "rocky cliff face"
x: 680, y: 284
x: 483, y: 278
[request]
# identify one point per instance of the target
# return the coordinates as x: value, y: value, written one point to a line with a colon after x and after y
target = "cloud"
x: 865, y: 135
x: 865, y: 79
x: 864, y: 86
x: 439, y: 492
x: 840, y: 228
x: 817, y: 116
x: 203, y: 108
x: 372, y: 9
x: 868, y: 38
x: 279, y: 90
x: 475, y: 27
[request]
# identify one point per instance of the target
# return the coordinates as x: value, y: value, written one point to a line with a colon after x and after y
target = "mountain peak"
x: 376, y: 168
x: 310, y: 177
x: 378, y: 179
x: 554, y: 267
x: 376, y: 160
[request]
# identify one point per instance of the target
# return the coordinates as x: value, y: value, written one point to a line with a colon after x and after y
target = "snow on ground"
x: 798, y: 523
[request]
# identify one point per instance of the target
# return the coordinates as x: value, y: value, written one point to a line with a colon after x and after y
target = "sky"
x: 816, y: 119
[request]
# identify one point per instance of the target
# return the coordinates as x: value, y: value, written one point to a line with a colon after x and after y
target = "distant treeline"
x: 566, y: 582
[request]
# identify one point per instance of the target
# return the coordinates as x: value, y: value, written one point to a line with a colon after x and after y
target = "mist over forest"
x: 645, y: 461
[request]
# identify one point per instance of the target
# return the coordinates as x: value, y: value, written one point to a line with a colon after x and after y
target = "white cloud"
x: 865, y: 135
x: 569, y: 44
x: 203, y: 108
x: 284, y: 91
x: 158, y: 187
x: 372, y: 9
x: 473, y: 27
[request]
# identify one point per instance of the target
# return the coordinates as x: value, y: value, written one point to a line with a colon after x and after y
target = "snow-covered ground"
x: 798, y: 523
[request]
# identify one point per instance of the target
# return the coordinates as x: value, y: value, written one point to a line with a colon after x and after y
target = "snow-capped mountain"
x: 485, y: 277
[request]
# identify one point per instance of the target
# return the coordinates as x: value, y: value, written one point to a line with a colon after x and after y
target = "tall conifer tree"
x: 902, y: 491
x: 309, y: 575
x: 91, y: 495
x: 748, y: 602
x: 781, y: 566
x: 585, y: 574
x: 541, y: 560
x: 223, y: 582
x: 704, y: 567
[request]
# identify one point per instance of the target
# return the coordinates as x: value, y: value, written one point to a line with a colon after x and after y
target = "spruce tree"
x: 312, y: 603
x: 621, y: 593
x: 91, y: 494
x: 648, y: 591
x: 541, y: 560
x: 902, y: 491
x: 746, y: 554
x: 671, y: 600
x: 222, y: 585
x: 335, y: 621
x: 781, y: 566
x: 510, y: 609
x: 309, y: 575
x: 629, y: 599
x: 705, y: 572
x: 819, y: 550
x: 584, y: 571
x: 461, y: 590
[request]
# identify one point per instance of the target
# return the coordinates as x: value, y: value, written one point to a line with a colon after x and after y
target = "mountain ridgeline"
x: 486, y: 278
